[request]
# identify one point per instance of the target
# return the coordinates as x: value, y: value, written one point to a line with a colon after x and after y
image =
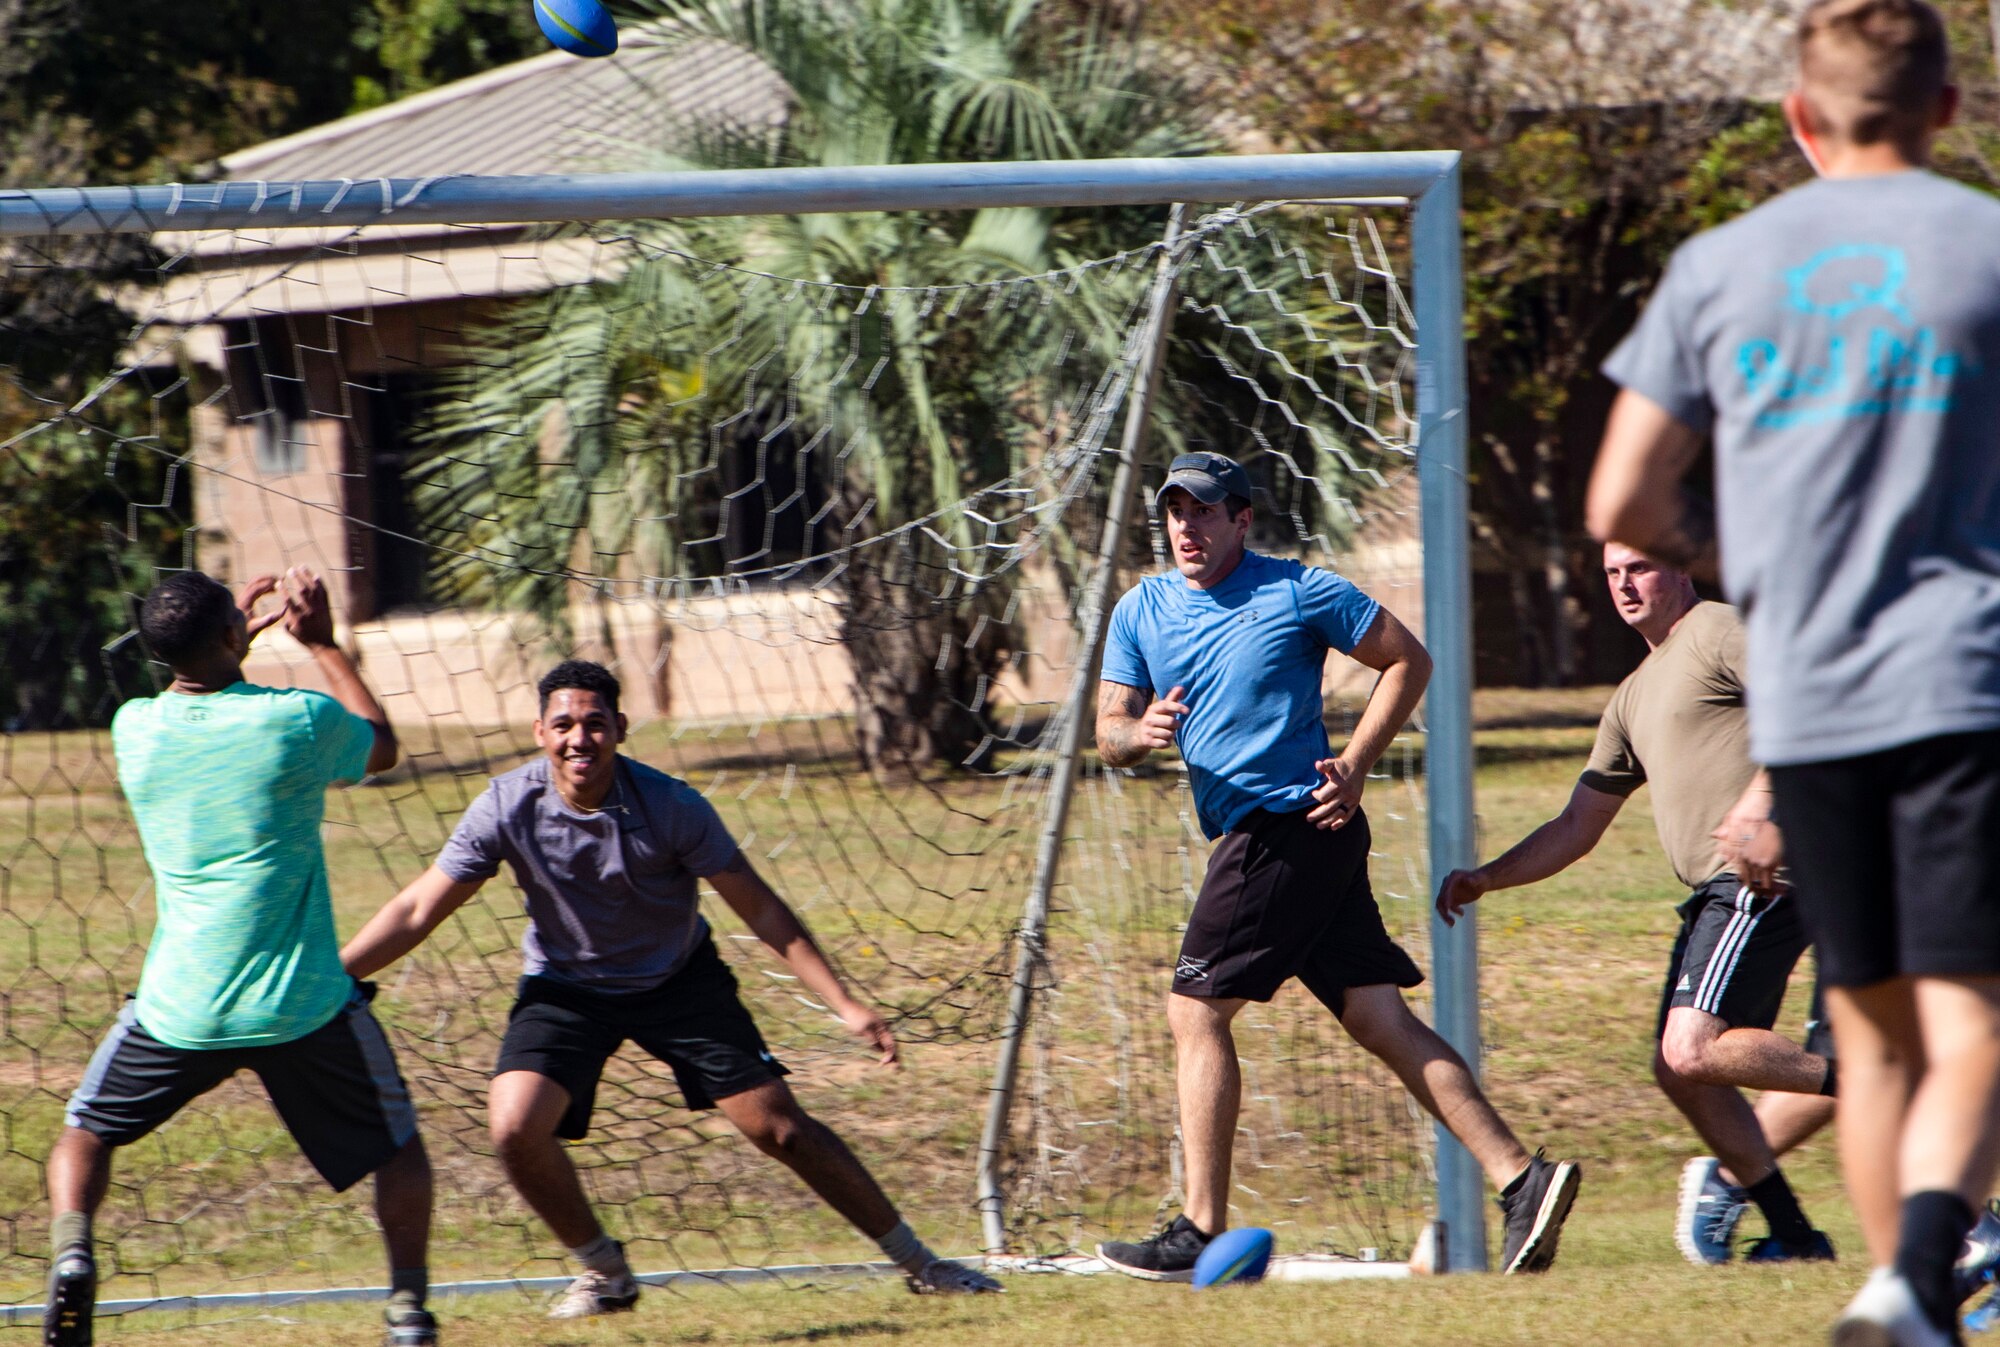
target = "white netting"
x: 833, y: 530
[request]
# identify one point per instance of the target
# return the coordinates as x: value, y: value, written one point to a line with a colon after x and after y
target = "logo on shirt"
x: 1684, y: 985
x: 1191, y: 970
x: 1880, y: 358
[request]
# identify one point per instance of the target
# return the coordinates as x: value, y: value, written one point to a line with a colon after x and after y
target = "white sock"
x: 902, y: 1247
x: 603, y: 1255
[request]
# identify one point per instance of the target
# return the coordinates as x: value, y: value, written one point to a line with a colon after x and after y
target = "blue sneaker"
x: 1709, y: 1212
x: 1770, y: 1249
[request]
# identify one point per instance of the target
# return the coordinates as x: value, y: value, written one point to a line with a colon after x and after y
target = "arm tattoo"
x: 1689, y: 543
x: 1118, y: 710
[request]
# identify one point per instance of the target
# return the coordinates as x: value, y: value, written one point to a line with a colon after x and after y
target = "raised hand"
x: 308, y: 616
x: 252, y: 594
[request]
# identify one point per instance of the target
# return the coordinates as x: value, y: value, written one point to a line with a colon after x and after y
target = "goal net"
x: 828, y: 492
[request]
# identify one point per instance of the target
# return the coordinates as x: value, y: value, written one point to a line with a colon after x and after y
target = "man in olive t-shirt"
x: 1678, y: 723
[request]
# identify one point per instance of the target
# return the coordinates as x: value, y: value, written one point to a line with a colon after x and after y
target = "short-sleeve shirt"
x: 1678, y: 723
x: 1250, y: 653
x: 611, y: 894
x: 228, y: 790
x: 1843, y: 344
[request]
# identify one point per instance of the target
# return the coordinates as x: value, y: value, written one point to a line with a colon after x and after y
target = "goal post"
x: 1057, y: 515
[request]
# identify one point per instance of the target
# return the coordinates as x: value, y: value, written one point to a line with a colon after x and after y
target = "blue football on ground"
x: 580, y: 27
x: 1234, y: 1256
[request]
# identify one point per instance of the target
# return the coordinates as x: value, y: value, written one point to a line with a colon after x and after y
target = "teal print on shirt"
x: 1881, y: 361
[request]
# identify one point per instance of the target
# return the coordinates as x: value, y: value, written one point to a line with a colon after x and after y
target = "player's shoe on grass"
x: 1709, y: 1212
x: 942, y: 1277
x: 1771, y: 1249
x: 1979, y: 1265
x: 1536, y: 1205
x: 1885, y: 1313
x: 594, y: 1293
x: 71, y: 1302
x: 1166, y: 1257
x: 409, y: 1325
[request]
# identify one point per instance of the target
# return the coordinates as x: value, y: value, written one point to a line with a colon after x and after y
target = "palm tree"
x: 592, y: 419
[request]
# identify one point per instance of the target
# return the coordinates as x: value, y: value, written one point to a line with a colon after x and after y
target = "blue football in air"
x: 580, y: 27
x: 1234, y: 1256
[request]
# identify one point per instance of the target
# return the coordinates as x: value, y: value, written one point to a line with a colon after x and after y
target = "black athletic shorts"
x: 693, y: 1022
x: 337, y: 1088
x: 1897, y: 855
x: 1284, y: 899
x: 1734, y: 954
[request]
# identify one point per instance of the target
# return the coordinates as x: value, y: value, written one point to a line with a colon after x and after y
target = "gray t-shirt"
x: 610, y: 895
x: 1842, y: 342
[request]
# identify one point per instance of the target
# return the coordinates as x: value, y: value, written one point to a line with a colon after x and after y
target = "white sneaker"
x: 942, y: 1277
x: 1885, y: 1313
x: 593, y: 1293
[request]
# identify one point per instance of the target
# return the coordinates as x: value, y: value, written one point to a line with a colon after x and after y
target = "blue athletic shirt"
x: 1251, y: 652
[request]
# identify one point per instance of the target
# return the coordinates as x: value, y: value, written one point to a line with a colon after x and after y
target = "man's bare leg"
x: 1702, y: 1048
x: 770, y: 1118
x: 1210, y: 1084
x: 1380, y: 1021
x: 523, y: 1111
x: 1881, y: 1059
x: 1791, y: 1120
x: 1723, y: 1119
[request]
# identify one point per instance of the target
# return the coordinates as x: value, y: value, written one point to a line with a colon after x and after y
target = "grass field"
x: 1571, y: 974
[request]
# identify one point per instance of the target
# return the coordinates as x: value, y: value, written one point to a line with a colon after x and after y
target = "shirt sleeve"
x: 344, y: 740
x: 1124, y: 662
x: 1333, y: 609
x: 1613, y: 769
x: 1728, y: 653
x: 1658, y: 358
x: 697, y: 833
x: 472, y: 853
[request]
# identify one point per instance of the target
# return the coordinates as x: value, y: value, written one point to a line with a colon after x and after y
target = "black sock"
x: 1829, y: 1085
x: 1773, y: 1197
x: 1934, y: 1229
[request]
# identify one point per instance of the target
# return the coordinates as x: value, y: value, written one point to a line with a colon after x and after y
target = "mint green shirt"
x: 228, y: 791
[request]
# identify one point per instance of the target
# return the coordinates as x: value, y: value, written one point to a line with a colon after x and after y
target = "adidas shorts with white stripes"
x: 1734, y: 954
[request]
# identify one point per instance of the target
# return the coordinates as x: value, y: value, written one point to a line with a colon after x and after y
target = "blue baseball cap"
x: 1206, y: 476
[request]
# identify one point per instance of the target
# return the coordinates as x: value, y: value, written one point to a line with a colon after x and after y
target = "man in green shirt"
x: 227, y: 785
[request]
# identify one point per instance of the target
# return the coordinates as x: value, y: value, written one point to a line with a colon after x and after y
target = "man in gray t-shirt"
x: 1842, y: 346
x: 607, y: 852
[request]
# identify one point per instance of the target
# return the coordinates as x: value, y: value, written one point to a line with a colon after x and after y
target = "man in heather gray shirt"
x: 607, y: 852
x: 1842, y: 346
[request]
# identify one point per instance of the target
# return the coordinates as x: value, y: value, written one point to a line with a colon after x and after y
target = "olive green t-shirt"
x: 1678, y: 722
x: 228, y: 791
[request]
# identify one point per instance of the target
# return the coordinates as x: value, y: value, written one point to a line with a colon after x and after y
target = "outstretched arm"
x: 1555, y: 846
x: 1129, y: 727
x: 1636, y: 496
x: 1392, y: 650
x: 772, y: 921
x: 405, y: 921
x: 309, y: 618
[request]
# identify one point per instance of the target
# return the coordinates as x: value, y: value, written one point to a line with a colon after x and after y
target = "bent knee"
x: 777, y: 1131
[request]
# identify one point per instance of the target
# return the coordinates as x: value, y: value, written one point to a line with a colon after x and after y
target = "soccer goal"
x: 840, y: 470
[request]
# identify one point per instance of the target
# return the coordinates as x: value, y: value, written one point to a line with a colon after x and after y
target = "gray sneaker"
x: 1709, y: 1212
x: 593, y: 1294
x: 1166, y: 1257
x: 942, y: 1277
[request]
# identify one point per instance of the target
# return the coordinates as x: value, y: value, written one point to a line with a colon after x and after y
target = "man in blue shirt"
x: 1238, y: 642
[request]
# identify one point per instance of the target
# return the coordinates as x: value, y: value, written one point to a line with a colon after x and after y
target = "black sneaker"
x: 1166, y: 1257
x: 1771, y: 1249
x: 71, y: 1301
x: 1536, y: 1204
x: 409, y: 1325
